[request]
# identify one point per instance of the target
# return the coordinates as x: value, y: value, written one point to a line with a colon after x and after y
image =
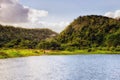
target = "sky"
x: 53, y: 14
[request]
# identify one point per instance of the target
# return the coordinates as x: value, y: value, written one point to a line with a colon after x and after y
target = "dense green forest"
x: 14, y: 37
x: 91, y: 31
x: 83, y: 33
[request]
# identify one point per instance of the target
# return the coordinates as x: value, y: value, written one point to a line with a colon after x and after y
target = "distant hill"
x: 20, y: 37
x: 84, y: 32
x: 91, y: 31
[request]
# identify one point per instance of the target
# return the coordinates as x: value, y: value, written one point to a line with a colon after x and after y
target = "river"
x: 69, y: 67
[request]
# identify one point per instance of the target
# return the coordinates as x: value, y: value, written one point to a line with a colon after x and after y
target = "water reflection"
x: 77, y: 67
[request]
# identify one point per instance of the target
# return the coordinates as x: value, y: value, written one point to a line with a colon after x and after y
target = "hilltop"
x: 91, y: 31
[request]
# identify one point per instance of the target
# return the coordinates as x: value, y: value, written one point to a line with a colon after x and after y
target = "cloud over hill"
x: 115, y: 14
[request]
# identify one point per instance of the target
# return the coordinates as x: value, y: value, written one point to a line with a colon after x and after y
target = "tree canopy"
x: 84, y: 32
x: 13, y: 37
x: 91, y: 31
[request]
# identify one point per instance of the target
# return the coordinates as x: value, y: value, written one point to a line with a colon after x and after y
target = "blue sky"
x: 68, y: 10
x: 73, y: 8
x: 53, y: 14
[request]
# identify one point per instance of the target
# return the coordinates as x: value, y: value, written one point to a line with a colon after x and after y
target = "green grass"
x: 11, y: 53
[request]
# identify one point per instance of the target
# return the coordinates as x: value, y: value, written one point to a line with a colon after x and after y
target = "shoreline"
x: 15, y: 53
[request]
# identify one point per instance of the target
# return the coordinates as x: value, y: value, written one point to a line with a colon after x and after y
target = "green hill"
x: 91, y: 31
x: 12, y: 37
x: 84, y: 32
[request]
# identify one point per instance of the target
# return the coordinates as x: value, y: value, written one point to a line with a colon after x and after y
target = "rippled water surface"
x: 76, y: 67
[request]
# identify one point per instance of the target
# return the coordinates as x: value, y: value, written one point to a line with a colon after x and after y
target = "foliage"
x: 91, y: 31
x: 85, y: 32
x: 49, y: 45
x: 11, y: 37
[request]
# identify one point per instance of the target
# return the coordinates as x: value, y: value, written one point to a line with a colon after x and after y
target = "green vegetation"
x: 11, y: 37
x: 91, y: 32
x: 12, y: 53
x: 88, y: 32
x: 85, y: 35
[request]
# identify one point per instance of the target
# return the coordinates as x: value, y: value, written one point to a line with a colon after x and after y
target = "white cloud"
x: 16, y: 14
x: 34, y: 14
x: 56, y: 26
x: 115, y: 14
x: 11, y: 11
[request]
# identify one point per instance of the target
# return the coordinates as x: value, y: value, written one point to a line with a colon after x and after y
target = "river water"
x: 72, y: 67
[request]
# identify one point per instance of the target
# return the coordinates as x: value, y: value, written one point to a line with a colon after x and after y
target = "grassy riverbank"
x: 11, y: 53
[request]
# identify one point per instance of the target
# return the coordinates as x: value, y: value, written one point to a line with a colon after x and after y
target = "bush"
x: 70, y: 48
x: 3, y: 54
x: 117, y: 49
x: 89, y: 50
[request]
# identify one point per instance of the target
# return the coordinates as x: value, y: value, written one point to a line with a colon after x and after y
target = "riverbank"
x: 11, y: 53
